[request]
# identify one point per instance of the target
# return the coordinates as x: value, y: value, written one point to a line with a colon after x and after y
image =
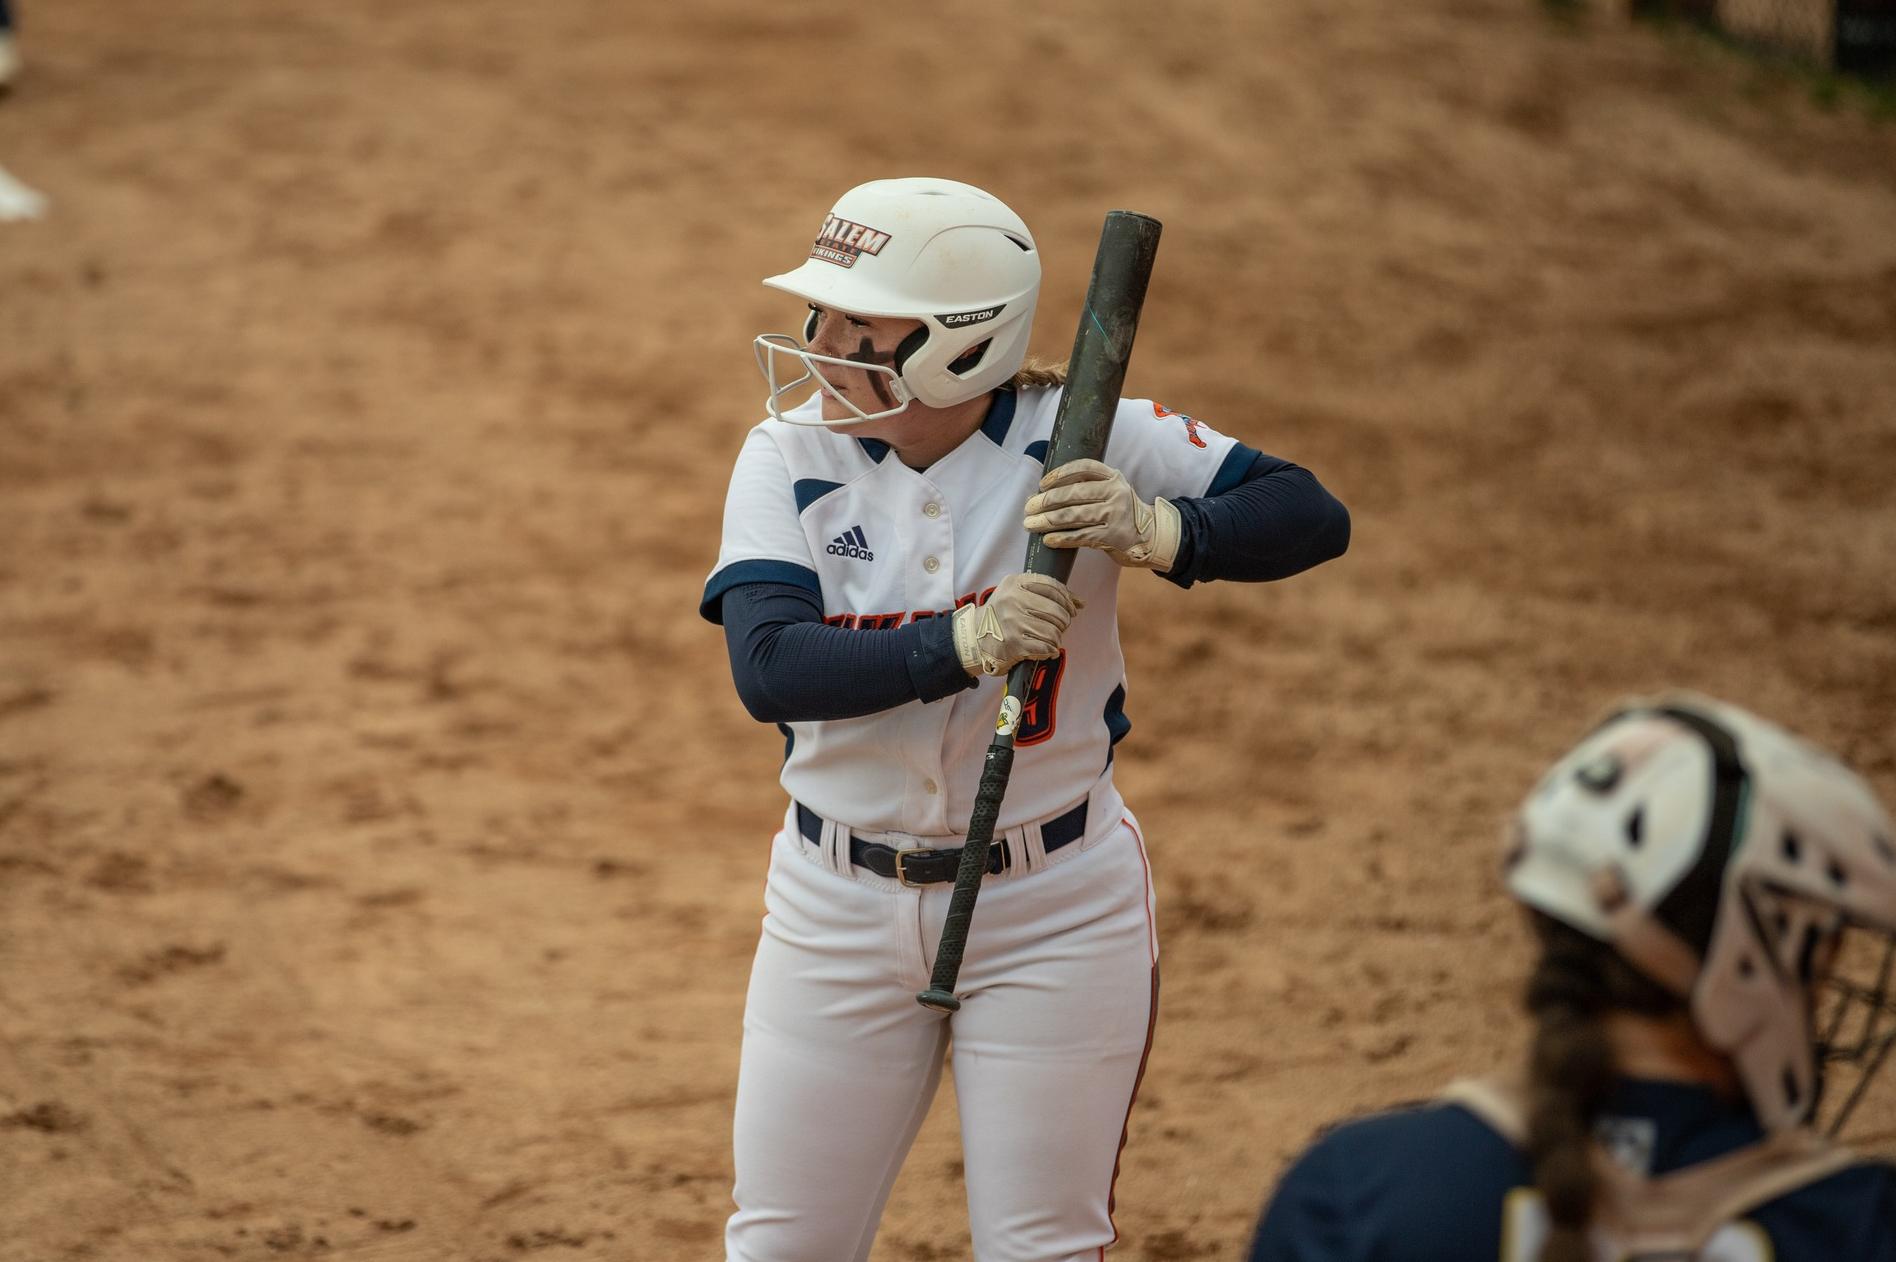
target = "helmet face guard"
x: 944, y: 254
x: 789, y: 366
x: 1856, y: 1021
x: 1725, y: 858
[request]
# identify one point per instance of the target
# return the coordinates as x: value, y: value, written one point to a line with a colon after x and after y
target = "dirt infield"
x: 381, y: 841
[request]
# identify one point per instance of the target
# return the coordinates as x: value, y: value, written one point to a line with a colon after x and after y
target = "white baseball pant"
x: 1059, y: 992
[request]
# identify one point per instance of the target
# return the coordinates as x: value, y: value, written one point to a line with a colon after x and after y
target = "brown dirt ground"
x: 380, y: 839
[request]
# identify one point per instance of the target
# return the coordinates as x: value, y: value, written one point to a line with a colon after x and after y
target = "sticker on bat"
x: 1010, y: 716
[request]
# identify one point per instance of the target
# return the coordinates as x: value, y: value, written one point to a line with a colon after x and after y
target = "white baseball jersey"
x: 883, y: 544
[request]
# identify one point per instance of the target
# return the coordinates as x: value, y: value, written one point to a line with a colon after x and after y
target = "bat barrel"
x: 1128, y: 245
x: 1102, y: 346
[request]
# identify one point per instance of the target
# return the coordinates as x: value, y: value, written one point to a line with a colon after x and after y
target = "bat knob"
x: 939, y: 1000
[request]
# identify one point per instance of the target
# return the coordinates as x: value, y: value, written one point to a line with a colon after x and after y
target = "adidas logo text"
x: 852, y: 544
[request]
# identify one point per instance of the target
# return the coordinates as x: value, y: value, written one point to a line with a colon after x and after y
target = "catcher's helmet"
x: 944, y: 253
x: 1724, y: 858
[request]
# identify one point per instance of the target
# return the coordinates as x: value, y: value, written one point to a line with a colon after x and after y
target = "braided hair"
x: 1039, y: 372
x: 1577, y: 981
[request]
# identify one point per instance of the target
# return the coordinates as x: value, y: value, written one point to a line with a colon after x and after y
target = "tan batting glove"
x: 1086, y: 504
x: 1022, y: 619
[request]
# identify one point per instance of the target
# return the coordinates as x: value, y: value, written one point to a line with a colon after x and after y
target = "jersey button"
x: 931, y: 509
x: 929, y: 786
x: 931, y: 564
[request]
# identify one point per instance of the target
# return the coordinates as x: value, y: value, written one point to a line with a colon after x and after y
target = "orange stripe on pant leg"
x: 1152, y: 1025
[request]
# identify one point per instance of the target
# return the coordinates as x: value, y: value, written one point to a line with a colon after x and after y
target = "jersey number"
x: 1037, y: 707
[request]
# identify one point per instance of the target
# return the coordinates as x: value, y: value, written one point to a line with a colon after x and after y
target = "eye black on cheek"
x: 866, y: 353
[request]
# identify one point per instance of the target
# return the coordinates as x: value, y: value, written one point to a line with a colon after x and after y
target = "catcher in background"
x: 1697, y: 879
x: 9, y: 55
x: 17, y: 201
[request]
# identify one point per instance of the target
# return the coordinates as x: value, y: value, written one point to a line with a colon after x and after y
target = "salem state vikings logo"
x: 841, y: 242
x: 1160, y: 411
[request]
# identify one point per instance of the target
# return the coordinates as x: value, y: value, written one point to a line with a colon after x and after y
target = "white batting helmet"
x: 1724, y: 858
x: 944, y: 253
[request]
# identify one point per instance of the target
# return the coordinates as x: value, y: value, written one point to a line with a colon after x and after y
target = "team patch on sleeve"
x: 1160, y: 412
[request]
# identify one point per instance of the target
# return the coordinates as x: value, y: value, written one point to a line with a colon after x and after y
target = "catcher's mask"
x: 1749, y: 873
x: 942, y: 253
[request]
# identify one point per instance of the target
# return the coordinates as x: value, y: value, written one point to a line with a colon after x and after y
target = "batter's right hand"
x: 1023, y: 619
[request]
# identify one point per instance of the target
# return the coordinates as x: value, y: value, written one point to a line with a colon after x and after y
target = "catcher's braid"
x: 1571, y: 1070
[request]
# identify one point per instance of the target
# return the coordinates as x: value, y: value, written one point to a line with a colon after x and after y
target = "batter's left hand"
x: 1086, y: 504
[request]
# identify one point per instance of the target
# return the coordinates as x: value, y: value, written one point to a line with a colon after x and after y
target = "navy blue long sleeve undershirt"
x: 1277, y: 522
x: 790, y: 667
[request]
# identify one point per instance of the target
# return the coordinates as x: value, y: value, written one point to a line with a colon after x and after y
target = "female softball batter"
x: 1691, y: 872
x: 871, y: 599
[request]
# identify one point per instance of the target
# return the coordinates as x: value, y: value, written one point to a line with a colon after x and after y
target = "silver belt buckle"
x: 901, y: 852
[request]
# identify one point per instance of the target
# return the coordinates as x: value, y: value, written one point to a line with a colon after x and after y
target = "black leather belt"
x: 932, y: 867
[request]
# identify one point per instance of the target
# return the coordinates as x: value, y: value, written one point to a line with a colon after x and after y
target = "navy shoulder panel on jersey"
x: 1235, y: 470
x: 1000, y: 416
x: 809, y: 490
x: 710, y: 606
x: 1432, y: 1178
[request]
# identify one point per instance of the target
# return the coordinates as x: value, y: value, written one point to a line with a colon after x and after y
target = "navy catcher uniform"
x: 1437, y: 1183
x: 869, y: 589
x: 1690, y: 870
x: 9, y: 56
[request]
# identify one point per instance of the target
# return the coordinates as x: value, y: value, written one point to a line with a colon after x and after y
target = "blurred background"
x: 381, y: 841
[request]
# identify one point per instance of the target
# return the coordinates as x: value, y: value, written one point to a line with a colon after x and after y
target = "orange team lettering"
x: 890, y: 621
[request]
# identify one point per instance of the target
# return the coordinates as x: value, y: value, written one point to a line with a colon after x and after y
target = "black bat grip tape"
x: 974, y: 857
